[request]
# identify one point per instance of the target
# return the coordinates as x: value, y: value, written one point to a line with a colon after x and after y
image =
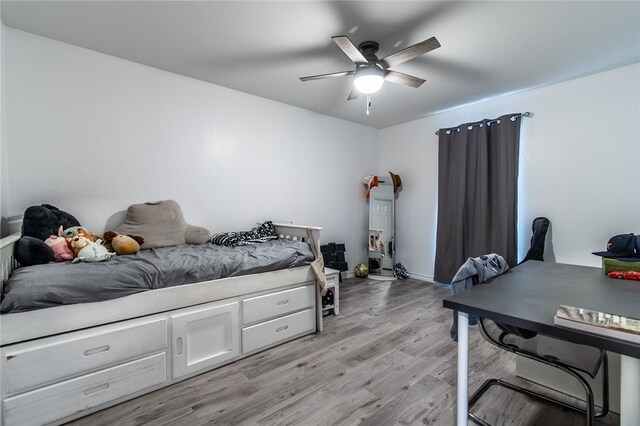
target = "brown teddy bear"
x: 77, y: 243
x: 122, y: 244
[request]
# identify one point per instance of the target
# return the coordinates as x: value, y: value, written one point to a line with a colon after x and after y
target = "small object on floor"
x: 625, y: 275
x: 400, y: 272
x: 361, y: 270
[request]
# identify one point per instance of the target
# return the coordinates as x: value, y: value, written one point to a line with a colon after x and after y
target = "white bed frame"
x: 61, y: 363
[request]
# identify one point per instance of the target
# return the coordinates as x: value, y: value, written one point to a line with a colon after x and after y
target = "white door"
x: 204, y: 336
x: 381, y: 217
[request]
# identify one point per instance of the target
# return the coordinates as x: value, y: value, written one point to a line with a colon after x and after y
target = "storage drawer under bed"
x: 31, y: 364
x: 272, y: 305
x: 280, y: 329
x: 64, y: 399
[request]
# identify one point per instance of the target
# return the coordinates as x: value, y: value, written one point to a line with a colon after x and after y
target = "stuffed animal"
x: 77, y: 243
x: 91, y: 252
x: 38, y: 223
x: 78, y: 230
x: 61, y: 250
x: 123, y: 244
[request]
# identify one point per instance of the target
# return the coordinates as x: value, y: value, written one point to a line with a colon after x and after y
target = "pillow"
x: 38, y: 224
x: 161, y: 224
x: 43, y: 221
x: 30, y: 251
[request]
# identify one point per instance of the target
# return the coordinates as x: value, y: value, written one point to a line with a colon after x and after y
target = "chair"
x: 566, y: 356
x: 563, y: 355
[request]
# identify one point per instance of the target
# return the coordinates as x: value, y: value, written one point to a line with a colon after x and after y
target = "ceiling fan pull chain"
x: 368, y: 103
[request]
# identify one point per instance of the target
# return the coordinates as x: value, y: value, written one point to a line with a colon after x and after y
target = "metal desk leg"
x: 463, y: 368
x: 629, y: 390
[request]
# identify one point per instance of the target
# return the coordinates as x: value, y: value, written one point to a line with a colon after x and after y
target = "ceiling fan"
x: 370, y: 72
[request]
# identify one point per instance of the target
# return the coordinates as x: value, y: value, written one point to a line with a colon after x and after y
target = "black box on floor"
x: 334, y: 256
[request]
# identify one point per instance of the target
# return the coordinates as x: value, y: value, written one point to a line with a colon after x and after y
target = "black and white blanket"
x: 259, y: 234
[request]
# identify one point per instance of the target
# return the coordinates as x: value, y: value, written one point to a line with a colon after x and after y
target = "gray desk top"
x: 529, y: 295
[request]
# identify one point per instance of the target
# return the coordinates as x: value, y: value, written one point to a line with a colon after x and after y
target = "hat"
x: 369, y: 182
x: 397, y: 182
x: 621, y: 247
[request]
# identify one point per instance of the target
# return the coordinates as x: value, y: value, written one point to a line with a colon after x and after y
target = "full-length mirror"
x: 381, y: 230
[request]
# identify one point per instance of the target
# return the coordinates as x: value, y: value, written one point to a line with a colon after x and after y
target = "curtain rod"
x: 513, y: 117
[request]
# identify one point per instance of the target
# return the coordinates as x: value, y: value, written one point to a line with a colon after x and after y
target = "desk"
x: 529, y: 295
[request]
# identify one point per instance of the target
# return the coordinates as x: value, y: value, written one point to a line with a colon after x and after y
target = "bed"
x: 63, y: 362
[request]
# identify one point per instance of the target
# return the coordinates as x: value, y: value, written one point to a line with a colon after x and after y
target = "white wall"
x: 91, y: 134
x: 579, y: 166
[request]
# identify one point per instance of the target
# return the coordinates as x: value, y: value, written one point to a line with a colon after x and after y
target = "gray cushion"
x: 161, y: 224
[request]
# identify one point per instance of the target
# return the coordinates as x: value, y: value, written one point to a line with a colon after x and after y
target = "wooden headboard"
x: 297, y: 232
x: 7, y: 261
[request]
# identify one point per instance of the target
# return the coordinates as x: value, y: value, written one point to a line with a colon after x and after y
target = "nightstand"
x: 333, y: 281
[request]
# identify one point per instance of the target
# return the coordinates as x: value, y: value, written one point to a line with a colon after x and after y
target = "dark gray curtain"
x: 477, y: 193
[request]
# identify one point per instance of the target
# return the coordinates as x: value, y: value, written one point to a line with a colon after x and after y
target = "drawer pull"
x: 94, y: 351
x: 96, y: 389
x: 179, y: 346
x: 283, y: 328
x: 283, y: 302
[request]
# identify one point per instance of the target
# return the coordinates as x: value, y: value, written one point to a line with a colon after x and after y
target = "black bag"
x: 540, y: 226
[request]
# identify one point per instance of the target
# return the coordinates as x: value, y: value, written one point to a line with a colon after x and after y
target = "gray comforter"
x: 44, y: 286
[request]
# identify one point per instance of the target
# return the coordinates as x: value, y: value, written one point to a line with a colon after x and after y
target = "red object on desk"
x: 626, y: 275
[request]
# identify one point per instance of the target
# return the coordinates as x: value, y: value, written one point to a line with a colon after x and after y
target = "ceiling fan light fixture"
x: 368, y: 79
x: 371, y: 72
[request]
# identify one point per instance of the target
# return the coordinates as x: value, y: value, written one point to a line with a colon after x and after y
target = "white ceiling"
x: 488, y: 48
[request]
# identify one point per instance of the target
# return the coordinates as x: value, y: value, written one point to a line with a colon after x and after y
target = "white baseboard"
x: 429, y: 278
x: 422, y: 277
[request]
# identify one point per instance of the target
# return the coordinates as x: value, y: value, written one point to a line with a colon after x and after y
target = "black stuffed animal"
x: 38, y: 224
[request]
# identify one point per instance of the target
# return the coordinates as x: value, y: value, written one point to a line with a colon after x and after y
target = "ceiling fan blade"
x: 410, y: 52
x: 354, y: 94
x: 332, y: 74
x: 350, y: 50
x: 406, y: 79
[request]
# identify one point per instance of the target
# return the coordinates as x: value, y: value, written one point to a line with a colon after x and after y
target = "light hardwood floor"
x: 386, y: 360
